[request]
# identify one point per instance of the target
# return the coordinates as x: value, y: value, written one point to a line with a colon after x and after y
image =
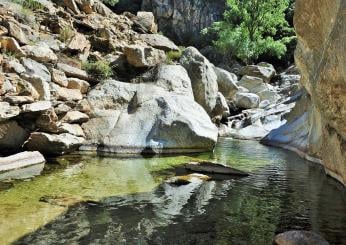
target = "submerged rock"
x: 187, y: 179
x: 299, y: 238
x: 213, y: 168
x: 63, y: 201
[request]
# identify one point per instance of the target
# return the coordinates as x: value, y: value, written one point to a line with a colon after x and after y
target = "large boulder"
x: 71, y: 71
x: 40, y: 52
x: 145, y: 118
x: 221, y: 109
x: 258, y: 86
x: 299, y: 238
x: 264, y: 71
x: 38, y: 75
x: 14, y: 30
x: 160, y: 42
x: 7, y: 111
x: 227, y: 82
x: 38, y: 106
x: 319, y: 131
x: 203, y: 78
x: 66, y: 94
x: 10, y: 44
x: 12, y: 136
x: 146, y: 20
x: 247, y: 100
x: 20, y: 160
x: 53, y: 144
x: 141, y: 56
x: 172, y: 78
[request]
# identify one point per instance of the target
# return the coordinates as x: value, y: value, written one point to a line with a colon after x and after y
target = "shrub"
x: 29, y: 4
x: 66, y: 34
x: 101, y: 69
x: 250, y: 29
x: 172, y: 56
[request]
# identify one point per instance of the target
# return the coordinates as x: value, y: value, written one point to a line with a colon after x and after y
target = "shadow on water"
x: 284, y: 194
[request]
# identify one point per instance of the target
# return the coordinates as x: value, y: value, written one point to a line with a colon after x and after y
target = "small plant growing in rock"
x: 66, y: 34
x: 101, y: 69
x: 173, y: 56
x: 29, y: 4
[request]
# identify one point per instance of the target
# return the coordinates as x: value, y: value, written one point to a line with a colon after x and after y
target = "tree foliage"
x: 250, y: 28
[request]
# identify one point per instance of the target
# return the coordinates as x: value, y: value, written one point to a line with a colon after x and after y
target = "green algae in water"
x: 129, y: 188
x: 80, y: 177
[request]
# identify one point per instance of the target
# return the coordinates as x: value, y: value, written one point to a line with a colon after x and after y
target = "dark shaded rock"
x: 299, y: 238
x: 213, y: 168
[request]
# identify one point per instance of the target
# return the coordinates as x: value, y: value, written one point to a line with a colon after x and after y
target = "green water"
x: 109, y: 200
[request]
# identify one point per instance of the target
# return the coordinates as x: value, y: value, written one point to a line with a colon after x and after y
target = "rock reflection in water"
x: 132, y: 219
x: 285, y: 193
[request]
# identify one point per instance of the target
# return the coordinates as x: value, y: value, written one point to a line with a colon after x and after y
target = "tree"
x: 250, y: 28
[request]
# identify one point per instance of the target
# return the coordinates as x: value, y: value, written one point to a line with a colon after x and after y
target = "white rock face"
x: 172, y: 78
x: 53, y: 144
x: 140, y: 56
x: 37, y: 106
x: 146, y: 118
x: 227, y: 82
x: 258, y: 86
x: 247, y: 100
x: 7, y: 111
x: 263, y: 70
x: 21, y: 160
x: 203, y: 78
x: 160, y: 42
x: 40, y: 52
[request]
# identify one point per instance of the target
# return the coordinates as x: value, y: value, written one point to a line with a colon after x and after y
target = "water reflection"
x: 283, y: 193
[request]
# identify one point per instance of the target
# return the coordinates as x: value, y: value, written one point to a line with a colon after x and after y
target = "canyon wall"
x: 317, y: 128
x: 183, y: 20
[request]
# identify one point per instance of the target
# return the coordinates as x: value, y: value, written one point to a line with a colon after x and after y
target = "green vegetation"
x: 172, y: 56
x: 252, y: 28
x: 29, y: 4
x: 66, y: 34
x: 100, y: 69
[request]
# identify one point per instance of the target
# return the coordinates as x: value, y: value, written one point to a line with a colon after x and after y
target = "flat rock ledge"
x: 21, y: 160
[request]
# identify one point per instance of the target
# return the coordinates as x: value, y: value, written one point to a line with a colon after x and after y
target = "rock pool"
x: 124, y: 200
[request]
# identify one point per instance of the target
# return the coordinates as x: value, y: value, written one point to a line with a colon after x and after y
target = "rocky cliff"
x: 75, y: 75
x: 53, y: 100
x: 319, y: 130
x: 183, y: 20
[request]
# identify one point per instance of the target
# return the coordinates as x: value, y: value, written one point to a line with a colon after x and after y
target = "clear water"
x: 125, y: 201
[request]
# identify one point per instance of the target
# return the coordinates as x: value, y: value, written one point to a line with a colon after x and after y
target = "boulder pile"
x: 75, y: 75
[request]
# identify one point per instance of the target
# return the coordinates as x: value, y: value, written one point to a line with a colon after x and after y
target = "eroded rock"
x: 53, y: 144
x: 203, y: 78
